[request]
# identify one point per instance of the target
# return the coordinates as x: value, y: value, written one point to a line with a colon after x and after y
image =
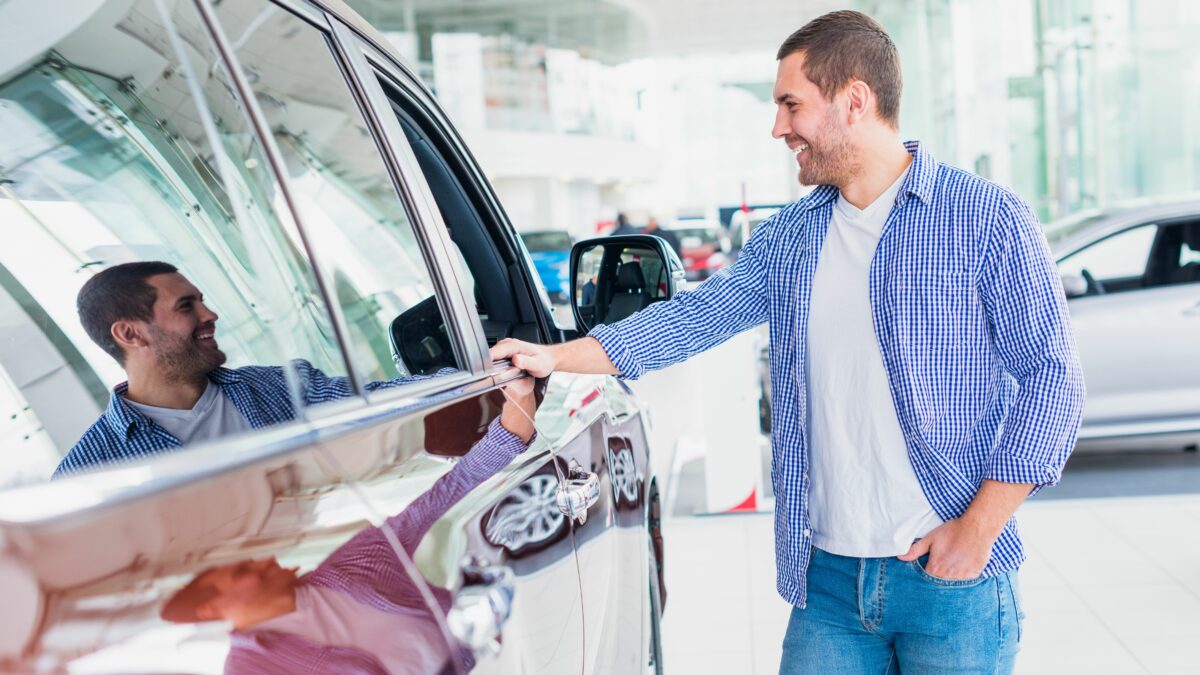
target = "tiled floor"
x: 1111, y: 586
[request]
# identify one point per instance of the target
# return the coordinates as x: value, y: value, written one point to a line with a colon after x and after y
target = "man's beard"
x: 182, y: 359
x: 831, y: 162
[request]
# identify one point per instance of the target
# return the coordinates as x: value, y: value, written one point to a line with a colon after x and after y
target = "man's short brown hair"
x: 847, y: 45
x: 119, y: 293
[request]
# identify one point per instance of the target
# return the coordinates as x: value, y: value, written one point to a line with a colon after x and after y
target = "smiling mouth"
x: 800, y: 149
x: 206, y: 336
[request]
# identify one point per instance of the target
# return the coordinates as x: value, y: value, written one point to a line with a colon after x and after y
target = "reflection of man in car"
x: 154, y: 322
x: 358, y: 611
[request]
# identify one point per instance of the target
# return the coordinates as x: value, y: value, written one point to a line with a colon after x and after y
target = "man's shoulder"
x: 955, y: 183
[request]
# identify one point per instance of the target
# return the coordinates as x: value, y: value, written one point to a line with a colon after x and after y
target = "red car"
x: 702, y: 246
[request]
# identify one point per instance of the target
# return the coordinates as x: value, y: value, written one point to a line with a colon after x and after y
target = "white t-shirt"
x: 865, y: 500
x: 403, y: 643
x: 213, y: 416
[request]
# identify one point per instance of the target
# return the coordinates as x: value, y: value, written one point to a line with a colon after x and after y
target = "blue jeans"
x: 884, y: 615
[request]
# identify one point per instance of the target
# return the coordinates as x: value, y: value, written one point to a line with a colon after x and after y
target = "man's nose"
x: 206, y: 314
x: 782, y: 126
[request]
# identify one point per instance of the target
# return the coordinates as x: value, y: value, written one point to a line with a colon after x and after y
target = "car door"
x: 1137, y: 328
x: 517, y: 525
x: 145, y: 565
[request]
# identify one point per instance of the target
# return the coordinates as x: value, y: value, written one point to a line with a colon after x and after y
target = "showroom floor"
x: 1112, y: 585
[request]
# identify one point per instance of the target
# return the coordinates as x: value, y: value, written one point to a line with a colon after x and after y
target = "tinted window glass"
x: 348, y: 204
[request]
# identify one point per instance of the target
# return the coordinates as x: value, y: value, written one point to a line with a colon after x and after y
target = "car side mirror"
x: 614, y: 277
x: 419, y: 342
x: 1074, y: 285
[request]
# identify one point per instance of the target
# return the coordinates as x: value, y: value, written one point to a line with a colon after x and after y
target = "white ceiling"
x: 610, y: 30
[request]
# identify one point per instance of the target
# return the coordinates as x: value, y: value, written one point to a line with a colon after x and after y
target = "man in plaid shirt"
x: 924, y: 374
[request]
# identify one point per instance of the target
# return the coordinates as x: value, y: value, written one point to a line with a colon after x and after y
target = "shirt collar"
x: 122, y: 417
x: 922, y: 176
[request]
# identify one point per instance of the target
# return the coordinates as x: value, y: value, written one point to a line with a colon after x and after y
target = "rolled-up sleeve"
x: 666, y: 333
x: 1022, y: 294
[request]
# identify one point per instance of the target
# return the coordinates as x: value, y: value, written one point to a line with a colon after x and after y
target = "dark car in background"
x: 551, y: 254
x: 296, y: 170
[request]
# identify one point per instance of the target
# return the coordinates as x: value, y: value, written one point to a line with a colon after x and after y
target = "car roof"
x: 1087, y: 226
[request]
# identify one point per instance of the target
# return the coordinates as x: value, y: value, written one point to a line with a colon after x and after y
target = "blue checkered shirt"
x: 971, y: 322
x: 260, y: 393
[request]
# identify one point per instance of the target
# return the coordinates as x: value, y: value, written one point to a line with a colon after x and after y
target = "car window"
x: 124, y: 142
x: 1121, y: 256
x: 349, y: 207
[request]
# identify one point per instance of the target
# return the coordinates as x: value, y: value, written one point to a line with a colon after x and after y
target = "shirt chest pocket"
x: 930, y: 309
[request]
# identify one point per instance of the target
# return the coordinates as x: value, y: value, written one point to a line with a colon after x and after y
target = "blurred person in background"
x: 623, y: 226
x: 668, y: 236
x: 924, y: 371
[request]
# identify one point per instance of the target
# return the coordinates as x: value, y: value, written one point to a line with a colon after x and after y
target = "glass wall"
x: 1076, y: 104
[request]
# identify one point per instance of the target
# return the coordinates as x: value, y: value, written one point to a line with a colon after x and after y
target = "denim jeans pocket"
x: 919, y: 566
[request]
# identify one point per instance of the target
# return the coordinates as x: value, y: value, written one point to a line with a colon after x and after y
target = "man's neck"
x: 882, y: 163
x: 161, y: 392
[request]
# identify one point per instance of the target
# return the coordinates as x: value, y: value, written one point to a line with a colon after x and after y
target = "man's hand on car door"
x: 532, y: 358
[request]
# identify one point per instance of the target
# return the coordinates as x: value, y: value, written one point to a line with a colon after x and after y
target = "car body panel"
x: 1137, y: 346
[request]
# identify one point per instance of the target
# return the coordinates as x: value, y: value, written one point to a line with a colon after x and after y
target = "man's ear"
x: 859, y: 100
x: 128, y: 335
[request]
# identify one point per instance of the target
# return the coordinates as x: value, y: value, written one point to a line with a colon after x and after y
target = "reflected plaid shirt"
x: 260, y: 393
x: 971, y: 322
x: 366, y: 569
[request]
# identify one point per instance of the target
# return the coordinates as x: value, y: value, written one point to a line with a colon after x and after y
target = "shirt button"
x: 807, y: 532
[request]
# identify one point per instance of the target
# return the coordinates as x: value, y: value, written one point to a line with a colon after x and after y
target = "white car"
x: 1132, y: 279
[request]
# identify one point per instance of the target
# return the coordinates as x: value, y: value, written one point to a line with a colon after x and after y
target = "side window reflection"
x: 125, y: 143
x: 360, y: 609
x: 351, y: 211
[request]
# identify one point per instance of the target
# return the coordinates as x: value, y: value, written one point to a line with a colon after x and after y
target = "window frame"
x: 380, y: 64
x: 326, y: 26
x: 457, y: 309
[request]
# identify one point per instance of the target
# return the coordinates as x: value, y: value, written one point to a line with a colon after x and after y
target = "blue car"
x: 551, y: 253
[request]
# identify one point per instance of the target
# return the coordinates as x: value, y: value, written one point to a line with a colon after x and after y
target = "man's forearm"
x: 584, y: 355
x: 994, y: 504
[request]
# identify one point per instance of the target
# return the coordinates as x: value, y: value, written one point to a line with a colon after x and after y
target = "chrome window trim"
x: 412, y: 184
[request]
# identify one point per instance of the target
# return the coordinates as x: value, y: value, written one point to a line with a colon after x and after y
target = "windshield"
x: 538, y: 242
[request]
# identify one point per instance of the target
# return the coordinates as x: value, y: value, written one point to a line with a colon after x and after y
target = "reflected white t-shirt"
x: 213, y: 416
x: 404, y: 643
x: 865, y: 500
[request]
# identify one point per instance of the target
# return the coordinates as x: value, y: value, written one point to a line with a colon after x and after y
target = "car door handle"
x: 577, y: 493
x: 482, y: 607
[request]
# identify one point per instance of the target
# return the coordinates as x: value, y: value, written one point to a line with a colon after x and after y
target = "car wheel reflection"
x: 624, y: 474
x: 528, y: 518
